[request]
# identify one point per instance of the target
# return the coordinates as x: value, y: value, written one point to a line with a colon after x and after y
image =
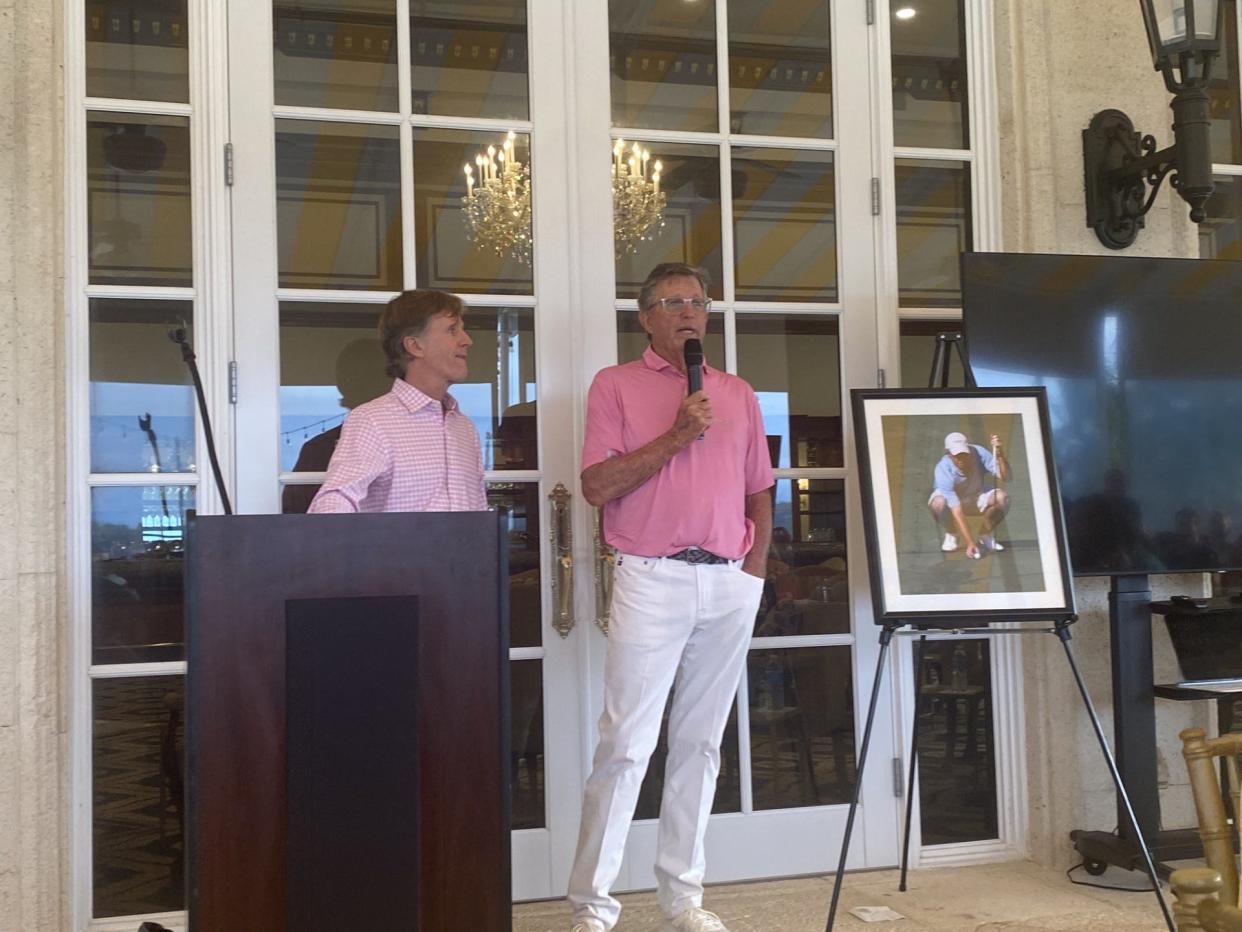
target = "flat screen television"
x: 1142, y: 361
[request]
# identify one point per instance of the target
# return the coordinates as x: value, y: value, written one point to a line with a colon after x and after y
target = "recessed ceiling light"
x: 906, y: 12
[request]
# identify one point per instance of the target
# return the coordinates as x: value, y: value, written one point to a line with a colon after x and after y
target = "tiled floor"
x: 1013, y: 897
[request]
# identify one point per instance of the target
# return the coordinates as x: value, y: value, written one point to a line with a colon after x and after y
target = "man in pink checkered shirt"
x: 411, y: 449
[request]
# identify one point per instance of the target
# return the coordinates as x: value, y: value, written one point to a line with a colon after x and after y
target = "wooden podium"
x: 348, y: 723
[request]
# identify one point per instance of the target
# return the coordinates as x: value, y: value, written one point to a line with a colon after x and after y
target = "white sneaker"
x: 988, y: 542
x: 950, y: 543
x: 695, y: 919
x: 588, y: 925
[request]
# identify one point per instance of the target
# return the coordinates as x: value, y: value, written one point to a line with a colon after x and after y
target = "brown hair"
x: 407, y: 315
x: 667, y: 270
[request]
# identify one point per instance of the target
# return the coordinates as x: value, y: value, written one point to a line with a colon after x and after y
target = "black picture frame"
x: 1023, y: 573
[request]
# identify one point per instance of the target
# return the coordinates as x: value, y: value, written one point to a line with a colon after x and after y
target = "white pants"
x: 671, y: 623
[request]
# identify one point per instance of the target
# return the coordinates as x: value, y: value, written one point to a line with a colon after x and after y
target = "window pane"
x: 138, y: 202
x: 1220, y: 236
x: 137, y: 51
x: 663, y: 60
x: 469, y: 60
x: 957, y: 751
x: 792, y: 363
x: 691, y: 231
x: 780, y: 68
x: 526, y: 689
x: 338, y: 205
x: 728, y: 782
x: 785, y: 225
x: 808, y: 586
x: 933, y: 230
x: 801, y: 727
x: 336, y: 53
x: 525, y: 602
x: 137, y: 573
x: 451, y: 256
x: 138, y: 814
x: 632, y: 339
x: 1226, y: 101
x: 929, y: 74
x: 142, y: 402
x: 918, y: 353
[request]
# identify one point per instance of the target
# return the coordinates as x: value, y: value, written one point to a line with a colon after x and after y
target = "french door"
x: 352, y: 124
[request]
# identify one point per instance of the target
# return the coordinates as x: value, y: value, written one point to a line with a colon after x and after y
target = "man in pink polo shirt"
x: 685, y: 482
x: 411, y: 449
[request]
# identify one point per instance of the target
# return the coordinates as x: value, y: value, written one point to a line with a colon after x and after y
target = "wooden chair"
x: 1215, y: 829
x: 1197, y: 908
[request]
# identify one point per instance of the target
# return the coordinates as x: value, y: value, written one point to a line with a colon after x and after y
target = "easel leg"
x: 886, y: 637
x: 914, y: 759
x: 1062, y: 631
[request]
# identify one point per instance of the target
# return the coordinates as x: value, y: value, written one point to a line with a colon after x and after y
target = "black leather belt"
x: 695, y: 556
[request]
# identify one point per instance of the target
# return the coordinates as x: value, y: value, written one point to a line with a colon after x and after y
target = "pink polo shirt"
x: 697, y: 499
x: 405, y: 451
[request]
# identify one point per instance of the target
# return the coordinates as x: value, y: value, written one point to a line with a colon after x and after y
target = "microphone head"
x: 693, y: 351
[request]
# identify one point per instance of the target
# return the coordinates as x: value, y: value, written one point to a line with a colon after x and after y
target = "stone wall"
x: 1058, y: 62
x: 34, y: 778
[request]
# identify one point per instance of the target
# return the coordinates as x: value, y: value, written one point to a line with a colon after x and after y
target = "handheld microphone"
x: 694, y: 365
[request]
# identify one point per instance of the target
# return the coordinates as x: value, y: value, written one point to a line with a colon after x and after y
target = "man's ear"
x: 412, y: 346
x: 642, y: 322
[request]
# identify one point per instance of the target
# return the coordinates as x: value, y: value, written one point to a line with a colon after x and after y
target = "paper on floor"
x: 875, y: 913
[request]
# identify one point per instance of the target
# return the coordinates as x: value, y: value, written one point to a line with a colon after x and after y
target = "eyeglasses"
x: 677, y: 305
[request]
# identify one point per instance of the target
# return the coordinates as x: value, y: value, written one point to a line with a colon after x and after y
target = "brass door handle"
x: 605, y: 564
x: 563, y: 571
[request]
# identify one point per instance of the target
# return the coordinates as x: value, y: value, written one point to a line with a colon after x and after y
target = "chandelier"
x: 497, y: 202
x: 637, y: 201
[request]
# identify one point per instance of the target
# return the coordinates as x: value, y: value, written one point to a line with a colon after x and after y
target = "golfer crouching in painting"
x: 966, y: 484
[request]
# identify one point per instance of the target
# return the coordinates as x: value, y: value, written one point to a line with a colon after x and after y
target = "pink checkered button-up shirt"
x: 405, y: 451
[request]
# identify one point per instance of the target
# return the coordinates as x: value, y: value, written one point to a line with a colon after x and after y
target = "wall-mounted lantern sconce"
x: 1123, y: 168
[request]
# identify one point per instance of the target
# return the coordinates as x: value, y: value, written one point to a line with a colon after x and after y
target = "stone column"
x: 33, y: 708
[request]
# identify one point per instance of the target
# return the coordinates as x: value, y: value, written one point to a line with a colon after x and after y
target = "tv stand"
x: 1134, y: 740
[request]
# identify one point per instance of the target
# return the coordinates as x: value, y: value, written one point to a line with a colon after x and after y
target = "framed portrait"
x: 961, y: 506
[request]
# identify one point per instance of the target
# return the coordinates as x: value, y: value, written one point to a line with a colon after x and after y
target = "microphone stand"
x: 178, y: 336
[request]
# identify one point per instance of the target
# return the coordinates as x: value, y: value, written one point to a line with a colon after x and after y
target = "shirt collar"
x: 658, y: 363
x: 414, y: 400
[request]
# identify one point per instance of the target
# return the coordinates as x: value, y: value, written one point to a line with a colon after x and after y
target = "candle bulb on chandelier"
x: 469, y: 182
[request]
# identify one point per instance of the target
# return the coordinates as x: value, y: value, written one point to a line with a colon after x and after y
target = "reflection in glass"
x: 469, y: 60
x: 801, y: 727
x: 137, y: 569
x: 780, y: 68
x: 138, y: 199
x: 1226, y: 100
x: 933, y: 230
x: 807, y: 589
x: 918, y: 353
x: 138, y: 803
x: 338, y: 205
x: 522, y: 524
x: 526, y: 690
x: 929, y: 76
x: 784, y: 225
x: 728, y: 783
x: 137, y: 51
x: 340, y: 54
x: 142, y: 403
x: 447, y: 259
x: 330, y: 362
x: 662, y: 59
x: 957, y: 751
x: 793, y: 364
x: 632, y: 339
x: 1220, y: 236
x: 691, y: 231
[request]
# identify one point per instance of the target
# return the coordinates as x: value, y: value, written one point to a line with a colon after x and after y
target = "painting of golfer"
x: 962, y: 492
